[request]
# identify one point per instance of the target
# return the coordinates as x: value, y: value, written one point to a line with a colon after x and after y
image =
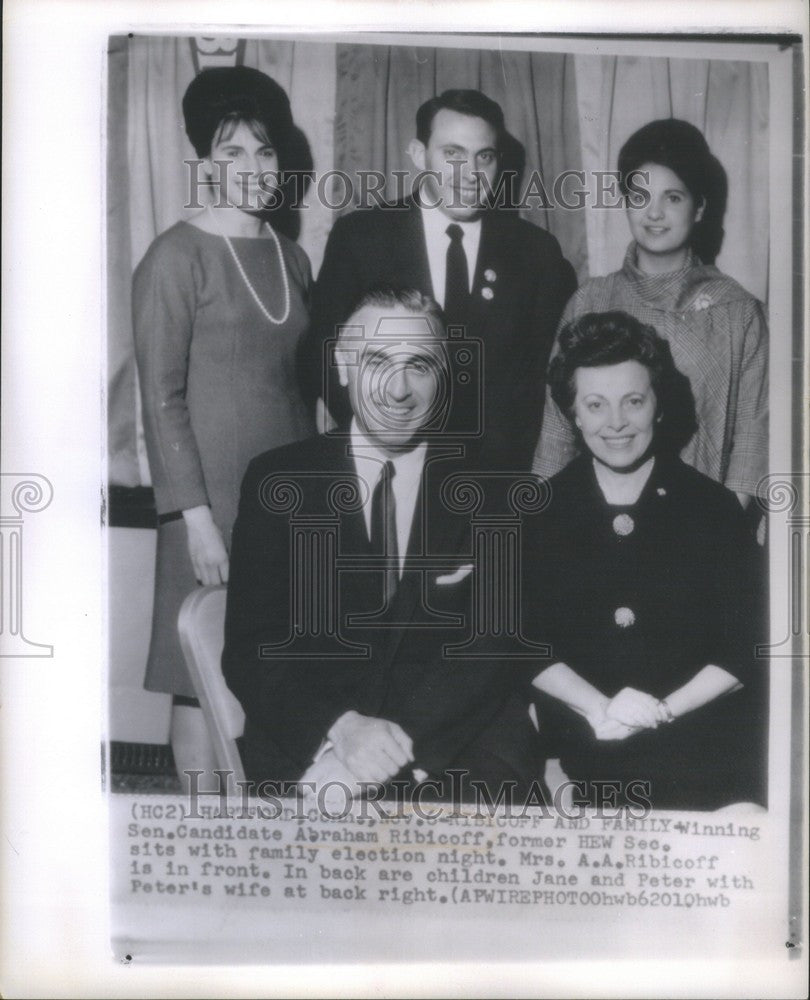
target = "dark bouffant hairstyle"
x: 610, y: 338
x: 682, y: 148
x: 465, y: 102
x: 219, y: 99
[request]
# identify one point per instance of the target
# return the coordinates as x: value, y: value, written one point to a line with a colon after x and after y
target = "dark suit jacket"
x: 455, y: 710
x: 532, y: 283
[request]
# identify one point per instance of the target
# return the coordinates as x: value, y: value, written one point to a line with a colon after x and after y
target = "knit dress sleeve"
x: 748, y: 458
x: 163, y: 310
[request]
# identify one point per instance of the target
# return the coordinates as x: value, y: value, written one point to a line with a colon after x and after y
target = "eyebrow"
x: 379, y: 354
x: 465, y: 149
x: 227, y: 144
x: 632, y: 392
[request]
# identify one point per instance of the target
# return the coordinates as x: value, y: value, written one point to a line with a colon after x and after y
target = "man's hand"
x: 634, y: 708
x: 330, y: 779
x: 372, y: 749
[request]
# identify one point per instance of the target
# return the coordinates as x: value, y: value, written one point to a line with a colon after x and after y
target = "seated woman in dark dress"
x: 641, y: 574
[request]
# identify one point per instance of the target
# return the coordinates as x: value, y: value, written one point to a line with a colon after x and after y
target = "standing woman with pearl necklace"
x: 220, y: 303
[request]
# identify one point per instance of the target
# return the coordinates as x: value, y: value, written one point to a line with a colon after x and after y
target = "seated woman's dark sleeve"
x: 740, y: 609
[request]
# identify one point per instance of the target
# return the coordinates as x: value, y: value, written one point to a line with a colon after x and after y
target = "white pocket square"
x: 459, y: 574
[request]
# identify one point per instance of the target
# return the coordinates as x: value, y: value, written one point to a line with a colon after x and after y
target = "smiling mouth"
x: 393, y: 410
x: 618, y: 442
x: 657, y: 230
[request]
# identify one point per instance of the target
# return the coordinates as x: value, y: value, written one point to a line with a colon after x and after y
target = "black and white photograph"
x: 446, y: 574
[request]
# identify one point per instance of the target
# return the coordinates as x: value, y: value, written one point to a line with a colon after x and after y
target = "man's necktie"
x: 457, y: 281
x: 384, y: 528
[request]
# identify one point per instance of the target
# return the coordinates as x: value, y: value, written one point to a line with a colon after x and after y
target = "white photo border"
x: 55, y: 880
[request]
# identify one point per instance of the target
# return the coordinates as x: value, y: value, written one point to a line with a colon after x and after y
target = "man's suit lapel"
x: 357, y: 588
x: 411, y: 251
x: 353, y: 536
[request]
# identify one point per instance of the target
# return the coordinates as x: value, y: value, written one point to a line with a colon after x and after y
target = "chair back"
x: 201, y: 625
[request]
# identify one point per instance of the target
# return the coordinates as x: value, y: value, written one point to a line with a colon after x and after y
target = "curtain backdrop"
x: 357, y: 104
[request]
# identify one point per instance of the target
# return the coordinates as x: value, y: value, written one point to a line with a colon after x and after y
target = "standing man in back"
x: 500, y: 278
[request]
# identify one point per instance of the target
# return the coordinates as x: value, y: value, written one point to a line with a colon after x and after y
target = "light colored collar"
x: 408, y: 464
x: 436, y: 223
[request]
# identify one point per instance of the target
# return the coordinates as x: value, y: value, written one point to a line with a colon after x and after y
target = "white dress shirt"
x: 437, y: 240
x: 369, y: 462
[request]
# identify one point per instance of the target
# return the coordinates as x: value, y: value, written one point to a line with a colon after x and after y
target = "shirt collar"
x: 436, y: 223
x: 407, y: 464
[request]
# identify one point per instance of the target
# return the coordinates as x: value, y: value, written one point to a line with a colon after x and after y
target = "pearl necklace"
x: 250, y: 288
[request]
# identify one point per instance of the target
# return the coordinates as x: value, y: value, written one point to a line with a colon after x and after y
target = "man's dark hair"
x: 597, y: 340
x: 409, y: 299
x: 465, y: 102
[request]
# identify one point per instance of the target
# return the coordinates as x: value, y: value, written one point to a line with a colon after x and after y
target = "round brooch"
x: 624, y: 617
x: 623, y: 524
x: 490, y: 275
x: 487, y: 293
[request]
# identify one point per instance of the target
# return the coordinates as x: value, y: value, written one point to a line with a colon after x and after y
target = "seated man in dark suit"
x: 352, y: 580
x: 501, y: 278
